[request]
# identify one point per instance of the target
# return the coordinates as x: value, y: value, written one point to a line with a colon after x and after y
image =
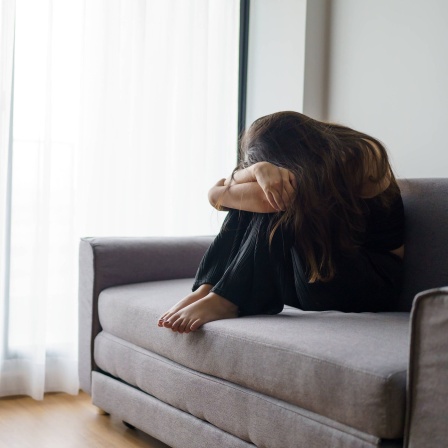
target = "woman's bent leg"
x: 215, y: 261
x: 256, y: 277
x: 224, y: 248
x: 259, y: 280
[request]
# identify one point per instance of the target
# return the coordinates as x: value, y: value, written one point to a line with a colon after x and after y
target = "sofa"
x: 296, y: 379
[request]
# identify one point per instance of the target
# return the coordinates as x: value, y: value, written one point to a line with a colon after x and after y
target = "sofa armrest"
x: 427, y: 407
x: 106, y: 262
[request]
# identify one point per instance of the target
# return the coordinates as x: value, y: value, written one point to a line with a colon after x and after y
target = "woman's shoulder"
x: 385, y: 220
x: 377, y: 176
x: 386, y: 205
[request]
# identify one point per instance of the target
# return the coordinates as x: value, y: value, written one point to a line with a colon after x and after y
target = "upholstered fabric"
x: 132, y: 260
x: 85, y: 315
x: 255, y: 418
x: 164, y: 422
x: 105, y: 262
x: 427, y: 417
x: 348, y: 367
x: 426, y: 255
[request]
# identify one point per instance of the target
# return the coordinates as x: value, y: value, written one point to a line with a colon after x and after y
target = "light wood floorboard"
x: 64, y: 421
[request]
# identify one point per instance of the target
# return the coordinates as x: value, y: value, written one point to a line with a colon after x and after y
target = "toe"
x: 195, y: 325
x: 161, y: 321
x: 164, y: 315
x: 182, y: 326
x: 176, y: 324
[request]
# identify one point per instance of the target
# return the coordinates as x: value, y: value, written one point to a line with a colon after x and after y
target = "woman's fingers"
x: 278, y: 190
x: 287, y: 188
x: 272, y: 200
x: 277, y: 183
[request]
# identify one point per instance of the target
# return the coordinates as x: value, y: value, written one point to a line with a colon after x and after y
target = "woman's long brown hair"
x: 330, y: 163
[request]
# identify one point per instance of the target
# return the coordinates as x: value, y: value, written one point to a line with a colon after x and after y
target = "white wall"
x: 388, y: 76
x: 380, y: 66
x: 276, y: 57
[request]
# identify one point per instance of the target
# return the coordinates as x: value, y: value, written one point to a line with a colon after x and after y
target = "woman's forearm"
x: 261, y: 187
x: 240, y: 196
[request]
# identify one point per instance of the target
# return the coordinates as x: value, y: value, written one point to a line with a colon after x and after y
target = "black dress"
x: 260, y: 278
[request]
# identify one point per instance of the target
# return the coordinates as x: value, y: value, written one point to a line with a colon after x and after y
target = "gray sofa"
x: 297, y: 379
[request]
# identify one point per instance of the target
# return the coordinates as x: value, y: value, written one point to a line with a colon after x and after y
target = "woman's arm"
x: 245, y: 196
x: 261, y: 188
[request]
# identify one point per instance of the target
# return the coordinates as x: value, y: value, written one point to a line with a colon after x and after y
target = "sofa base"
x: 160, y: 420
x: 172, y: 426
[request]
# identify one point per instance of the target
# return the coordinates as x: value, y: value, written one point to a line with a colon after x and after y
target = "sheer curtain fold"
x: 7, y: 23
x: 124, y: 114
x: 173, y: 67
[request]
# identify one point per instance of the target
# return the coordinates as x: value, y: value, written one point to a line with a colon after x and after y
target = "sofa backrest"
x: 426, y: 250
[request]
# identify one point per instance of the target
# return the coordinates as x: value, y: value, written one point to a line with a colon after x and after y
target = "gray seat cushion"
x: 348, y: 367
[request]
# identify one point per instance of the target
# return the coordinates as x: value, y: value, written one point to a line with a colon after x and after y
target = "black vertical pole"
x: 243, y: 59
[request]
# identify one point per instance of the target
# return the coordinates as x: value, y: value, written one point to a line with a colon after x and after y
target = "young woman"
x: 315, y: 222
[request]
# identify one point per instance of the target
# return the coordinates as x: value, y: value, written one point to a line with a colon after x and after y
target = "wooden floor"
x: 64, y: 421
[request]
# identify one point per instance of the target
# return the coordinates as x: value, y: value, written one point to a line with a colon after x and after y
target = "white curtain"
x: 124, y: 114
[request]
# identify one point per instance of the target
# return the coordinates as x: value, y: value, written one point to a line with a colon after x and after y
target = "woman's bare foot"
x: 212, y: 307
x: 199, y: 294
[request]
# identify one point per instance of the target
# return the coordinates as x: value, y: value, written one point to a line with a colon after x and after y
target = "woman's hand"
x: 278, y: 184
